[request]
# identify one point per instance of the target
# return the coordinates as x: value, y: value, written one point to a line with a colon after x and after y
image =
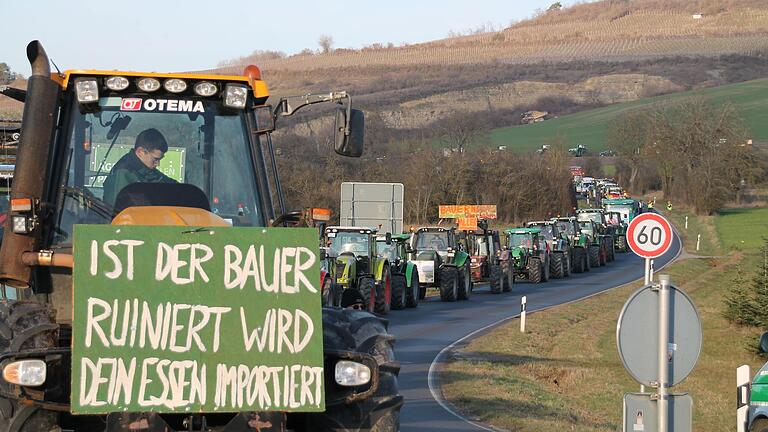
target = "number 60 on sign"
x: 649, y: 235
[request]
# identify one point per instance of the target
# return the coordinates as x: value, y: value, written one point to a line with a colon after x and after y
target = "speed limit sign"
x: 649, y: 235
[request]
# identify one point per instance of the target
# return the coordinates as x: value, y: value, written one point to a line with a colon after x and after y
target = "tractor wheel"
x: 367, y: 287
x: 623, y: 244
x: 760, y: 425
x: 587, y: 259
x: 359, y: 331
x: 496, y: 279
x: 545, y: 271
x: 603, y: 255
x: 399, y: 294
x: 509, y: 277
x: 465, y: 283
x: 422, y: 292
x: 449, y: 284
x: 383, y: 301
x: 611, y: 251
x: 556, y: 266
x: 578, y: 260
x: 594, y: 256
x: 26, y: 325
x: 534, y: 270
x: 414, y: 293
x: 567, y: 265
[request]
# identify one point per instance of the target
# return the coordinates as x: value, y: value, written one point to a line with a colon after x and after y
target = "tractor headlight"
x: 25, y: 372
x: 175, y: 85
x: 349, y: 373
x: 204, y: 88
x: 87, y: 90
x: 117, y: 83
x: 235, y: 96
x: 148, y: 85
x: 21, y: 225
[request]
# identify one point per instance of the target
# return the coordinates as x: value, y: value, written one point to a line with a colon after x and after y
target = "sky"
x: 170, y: 35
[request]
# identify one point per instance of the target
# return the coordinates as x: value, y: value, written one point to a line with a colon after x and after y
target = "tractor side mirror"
x: 388, y: 238
x: 349, y: 132
x: 323, y: 253
x: 764, y: 343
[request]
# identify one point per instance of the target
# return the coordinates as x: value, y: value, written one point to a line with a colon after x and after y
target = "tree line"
x: 696, y: 152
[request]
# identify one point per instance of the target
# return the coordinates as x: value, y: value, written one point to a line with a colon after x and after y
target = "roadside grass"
x: 565, y: 372
x: 743, y: 229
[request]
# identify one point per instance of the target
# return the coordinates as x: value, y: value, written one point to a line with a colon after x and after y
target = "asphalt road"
x: 422, y: 333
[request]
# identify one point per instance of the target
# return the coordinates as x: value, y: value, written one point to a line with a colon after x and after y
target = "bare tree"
x: 326, y: 43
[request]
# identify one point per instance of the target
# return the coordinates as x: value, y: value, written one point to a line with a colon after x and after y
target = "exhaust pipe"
x: 32, y: 161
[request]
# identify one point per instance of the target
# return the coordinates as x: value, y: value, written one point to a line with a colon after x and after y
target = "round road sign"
x: 649, y: 235
x: 637, y: 335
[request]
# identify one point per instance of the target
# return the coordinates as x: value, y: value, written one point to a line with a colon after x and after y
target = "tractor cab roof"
x: 433, y: 229
x: 619, y: 201
x: 591, y: 210
x: 524, y: 231
x: 542, y: 222
x: 361, y: 230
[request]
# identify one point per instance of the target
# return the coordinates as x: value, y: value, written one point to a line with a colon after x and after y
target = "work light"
x: 235, y: 96
x: 87, y: 90
x: 204, y: 88
x: 175, y: 85
x: 148, y: 84
x: 117, y: 83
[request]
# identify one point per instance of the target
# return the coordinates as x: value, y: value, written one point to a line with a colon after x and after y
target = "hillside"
x: 590, y: 127
x: 564, y: 61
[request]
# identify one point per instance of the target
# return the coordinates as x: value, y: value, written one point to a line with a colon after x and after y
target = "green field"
x: 590, y: 127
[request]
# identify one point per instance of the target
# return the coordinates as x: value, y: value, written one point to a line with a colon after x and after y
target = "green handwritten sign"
x: 171, y: 319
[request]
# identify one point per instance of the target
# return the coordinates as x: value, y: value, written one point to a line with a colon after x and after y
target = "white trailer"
x: 372, y: 205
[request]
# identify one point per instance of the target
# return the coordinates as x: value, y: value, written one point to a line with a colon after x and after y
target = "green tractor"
x: 559, y: 246
x: 619, y: 230
x: 405, y: 275
x: 355, y: 264
x: 589, y: 235
x: 579, y: 243
x: 530, y: 252
x: 441, y: 263
x: 627, y: 209
x: 602, y: 230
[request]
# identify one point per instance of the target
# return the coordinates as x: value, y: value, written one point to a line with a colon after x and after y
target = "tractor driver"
x: 139, y: 165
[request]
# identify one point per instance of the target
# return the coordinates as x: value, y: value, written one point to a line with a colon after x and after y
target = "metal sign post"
x: 659, y: 340
x: 664, y: 355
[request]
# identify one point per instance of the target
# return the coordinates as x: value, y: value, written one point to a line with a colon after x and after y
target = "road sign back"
x: 649, y: 235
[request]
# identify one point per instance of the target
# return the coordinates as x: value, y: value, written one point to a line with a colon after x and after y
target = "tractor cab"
x: 530, y: 252
x: 628, y: 208
x: 438, y: 255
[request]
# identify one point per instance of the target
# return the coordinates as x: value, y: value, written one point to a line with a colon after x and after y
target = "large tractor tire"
x: 383, y: 301
x: 587, y: 261
x: 594, y: 256
x: 622, y: 244
x: 367, y: 287
x: 567, y: 265
x: 359, y: 331
x: 465, y: 283
x: 496, y: 279
x: 509, y: 277
x: 399, y: 291
x: 449, y: 284
x: 611, y: 251
x: 535, y: 270
x: 556, y: 266
x: 760, y: 425
x: 603, y: 255
x: 545, y: 270
x: 578, y: 260
x: 414, y: 293
x: 26, y: 325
